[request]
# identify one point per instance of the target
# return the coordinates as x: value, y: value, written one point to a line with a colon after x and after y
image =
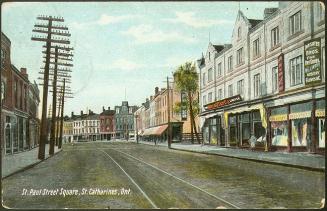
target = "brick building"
x: 107, y: 124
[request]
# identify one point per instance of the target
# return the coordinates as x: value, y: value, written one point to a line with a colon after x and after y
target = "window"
x: 210, y: 75
x: 322, y: 62
x: 16, y: 94
x: 230, y: 90
x: 239, y: 56
x: 210, y: 97
x: 274, y: 36
x: 230, y: 63
x: 240, y: 87
x: 3, y: 91
x: 3, y: 58
x: 117, y: 110
x: 321, y: 11
x: 204, y: 100
x: 296, y: 71
x: 220, y: 94
x: 209, y: 56
x: 204, y: 79
x: 256, y: 48
x: 274, y: 78
x: 295, y: 24
x: 239, y: 31
x: 219, y: 69
x: 256, y: 85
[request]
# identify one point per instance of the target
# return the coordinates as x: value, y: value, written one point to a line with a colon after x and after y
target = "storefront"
x: 213, y: 132
x: 298, y: 126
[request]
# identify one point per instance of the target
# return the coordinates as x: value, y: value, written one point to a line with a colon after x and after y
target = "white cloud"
x: 103, y: 20
x: 125, y: 64
x: 145, y: 33
x: 188, y: 19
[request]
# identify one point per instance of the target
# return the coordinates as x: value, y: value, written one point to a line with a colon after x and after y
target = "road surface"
x: 129, y: 175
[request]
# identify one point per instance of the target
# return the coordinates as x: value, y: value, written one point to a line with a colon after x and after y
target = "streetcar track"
x: 140, y: 189
x: 196, y: 187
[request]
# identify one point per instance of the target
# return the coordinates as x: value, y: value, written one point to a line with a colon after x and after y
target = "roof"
x: 218, y: 48
x: 108, y: 112
x: 5, y: 38
x: 254, y: 22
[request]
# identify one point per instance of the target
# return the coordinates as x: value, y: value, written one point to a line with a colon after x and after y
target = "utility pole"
x: 54, y: 107
x: 48, y: 29
x: 62, y: 114
x: 57, y: 126
x: 168, y: 110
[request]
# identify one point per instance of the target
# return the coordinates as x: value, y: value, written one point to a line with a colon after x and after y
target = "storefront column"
x: 237, y: 132
x: 289, y: 122
x: 313, y: 145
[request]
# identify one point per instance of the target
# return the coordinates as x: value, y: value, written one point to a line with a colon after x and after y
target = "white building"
x: 258, y: 85
x: 86, y: 127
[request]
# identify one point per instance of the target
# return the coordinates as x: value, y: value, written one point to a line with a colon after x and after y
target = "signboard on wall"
x: 281, y: 80
x: 224, y: 102
x: 312, y: 61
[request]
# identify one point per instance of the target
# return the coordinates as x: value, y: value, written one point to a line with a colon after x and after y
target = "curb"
x: 256, y: 160
x: 29, y: 166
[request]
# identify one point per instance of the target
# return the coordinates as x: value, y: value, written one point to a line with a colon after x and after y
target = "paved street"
x: 155, y: 177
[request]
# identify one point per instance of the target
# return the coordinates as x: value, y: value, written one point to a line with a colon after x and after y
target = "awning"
x: 161, y: 129
x: 156, y: 131
x: 278, y: 118
x: 260, y: 107
x: 205, y: 117
x: 320, y: 113
x: 300, y: 115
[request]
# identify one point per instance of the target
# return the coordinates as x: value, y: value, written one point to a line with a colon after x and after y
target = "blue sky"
x: 118, y: 45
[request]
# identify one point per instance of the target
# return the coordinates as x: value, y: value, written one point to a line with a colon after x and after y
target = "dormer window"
x: 239, y: 33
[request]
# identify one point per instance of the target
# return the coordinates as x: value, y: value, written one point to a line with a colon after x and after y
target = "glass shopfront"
x: 258, y: 130
x: 233, y: 141
x: 213, y: 133
x: 245, y: 129
x: 279, y: 126
x: 300, y: 117
x: 320, y: 114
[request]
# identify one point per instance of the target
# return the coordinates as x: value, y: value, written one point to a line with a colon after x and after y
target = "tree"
x: 186, y: 79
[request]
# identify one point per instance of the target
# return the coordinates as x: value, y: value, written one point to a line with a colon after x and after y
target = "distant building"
x: 107, y: 124
x: 86, y: 127
x: 124, y: 120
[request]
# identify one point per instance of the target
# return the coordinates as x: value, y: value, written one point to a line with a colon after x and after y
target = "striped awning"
x: 278, y: 118
x: 300, y: 115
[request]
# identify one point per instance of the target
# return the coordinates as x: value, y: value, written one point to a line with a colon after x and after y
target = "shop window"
x: 321, y: 133
x: 259, y: 131
x: 245, y: 127
x: 279, y: 126
x: 213, y: 130
x: 232, y: 131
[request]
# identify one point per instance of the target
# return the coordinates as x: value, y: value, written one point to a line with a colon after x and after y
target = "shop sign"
x: 320, y: 113
x: 224, y: 102
x: 300, y: 115
x: 278, y: 118
x: 281, y: 81
x: 312, y: 61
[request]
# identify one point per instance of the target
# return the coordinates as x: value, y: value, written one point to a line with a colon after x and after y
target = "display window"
x: 245, y: 129
x: 279, y: 133
x: 232, y: 131
x: 321, y: 133
x: 259, y: 131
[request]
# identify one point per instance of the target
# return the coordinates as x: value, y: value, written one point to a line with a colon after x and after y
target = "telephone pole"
x: 49, y: 28
x: 168, y: 110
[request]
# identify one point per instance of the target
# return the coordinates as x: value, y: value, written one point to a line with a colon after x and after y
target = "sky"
x: 123, y: 47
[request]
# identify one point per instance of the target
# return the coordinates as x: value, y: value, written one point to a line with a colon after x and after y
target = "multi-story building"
x: 107, y: 124
x: 86, y: 127
x: 268, y: 85
x: 68, y: 129
x: 124, y: 120
x: 19, y: 102
x: 152, y: 116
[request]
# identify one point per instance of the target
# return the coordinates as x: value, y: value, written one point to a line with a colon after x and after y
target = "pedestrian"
x: 252, y: 142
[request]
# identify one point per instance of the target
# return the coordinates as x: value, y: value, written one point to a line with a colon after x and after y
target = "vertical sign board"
x: 312, y: 61
x: 281, y: 80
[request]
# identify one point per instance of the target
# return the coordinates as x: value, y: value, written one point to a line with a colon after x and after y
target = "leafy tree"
x: 186, y: 79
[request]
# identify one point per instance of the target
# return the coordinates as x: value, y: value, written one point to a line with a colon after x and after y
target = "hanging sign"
x: 224, y: 102
x: 312, y: 61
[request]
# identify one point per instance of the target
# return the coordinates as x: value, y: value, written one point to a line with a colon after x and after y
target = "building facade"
x: 124, y: 120
x: 19, y: 102
x: 107, y: 124
x: 267, y: 88
x: 86, y: 127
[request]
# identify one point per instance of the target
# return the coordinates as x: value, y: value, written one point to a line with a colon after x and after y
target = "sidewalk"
x: 16, y: 162
x: 302, y: 160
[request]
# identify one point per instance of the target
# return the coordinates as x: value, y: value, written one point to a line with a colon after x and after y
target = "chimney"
x: 72, y: 114
x: 269, y: 11
x: 81, y: 113
x: 90, y: 112
x: 151, y: 97
x: 156, y: 90
x: 103, y: 108
x: 23, y: 70
x: 147, y: 100
x: 108, y: 108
